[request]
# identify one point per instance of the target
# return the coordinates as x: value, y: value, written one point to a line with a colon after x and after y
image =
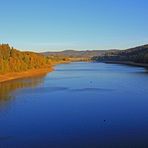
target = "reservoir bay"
x: 79, y: 105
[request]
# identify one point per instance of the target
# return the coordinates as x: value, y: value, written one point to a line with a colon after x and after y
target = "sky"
x: 53, y: 25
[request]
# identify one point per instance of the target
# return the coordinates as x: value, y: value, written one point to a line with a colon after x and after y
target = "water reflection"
x: 7, y: 88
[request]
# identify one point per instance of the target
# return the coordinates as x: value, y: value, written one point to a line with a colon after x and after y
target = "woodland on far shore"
x: 13, y: 60
x: 137, y: 55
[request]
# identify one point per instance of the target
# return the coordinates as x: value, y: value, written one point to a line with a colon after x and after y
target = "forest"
x: 137, y: 55
x: 13, y: 60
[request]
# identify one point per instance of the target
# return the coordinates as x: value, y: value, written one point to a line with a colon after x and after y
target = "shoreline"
x: 24, y: 74
x: 36, y: 72
x: 128, y: 63
x: 29, y: 73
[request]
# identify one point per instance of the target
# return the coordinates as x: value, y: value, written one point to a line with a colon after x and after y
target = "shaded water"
x: 79, y: 105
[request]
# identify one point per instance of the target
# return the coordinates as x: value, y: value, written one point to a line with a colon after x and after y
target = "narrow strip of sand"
x: 28, y: 73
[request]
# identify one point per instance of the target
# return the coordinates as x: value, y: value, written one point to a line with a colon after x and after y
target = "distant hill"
x: 79, y: 54
x: 137, y: 54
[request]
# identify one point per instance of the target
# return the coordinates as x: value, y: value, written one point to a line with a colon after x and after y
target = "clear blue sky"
x: 43, y: 25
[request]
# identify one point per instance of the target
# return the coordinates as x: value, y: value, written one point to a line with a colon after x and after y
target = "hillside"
x: 79, y: 54
x: 137, y: 55
x: 12, y: 60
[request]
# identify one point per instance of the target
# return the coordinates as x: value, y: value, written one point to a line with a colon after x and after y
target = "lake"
x: 79, y: 105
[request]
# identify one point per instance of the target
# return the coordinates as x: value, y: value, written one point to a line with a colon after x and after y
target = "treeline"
x: 137, y: 55
x: 54, y: 59
x: 12, y: 60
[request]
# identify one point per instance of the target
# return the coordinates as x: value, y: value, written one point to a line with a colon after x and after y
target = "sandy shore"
x: 128, y: 63
x: 29, y: 73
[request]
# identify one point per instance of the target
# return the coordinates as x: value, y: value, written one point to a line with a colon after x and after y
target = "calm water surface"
x: 79, y: 105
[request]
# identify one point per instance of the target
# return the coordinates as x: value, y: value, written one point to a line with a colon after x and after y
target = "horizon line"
x: 70, y: 49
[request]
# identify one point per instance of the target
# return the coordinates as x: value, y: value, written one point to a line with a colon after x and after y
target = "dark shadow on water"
x: 80, y: 70
x: 41, y: 90
x: 64, y: 78
x: 44, y: 90
x: 144, y: 72
x: 5, y: 138
x: 91, y: 90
